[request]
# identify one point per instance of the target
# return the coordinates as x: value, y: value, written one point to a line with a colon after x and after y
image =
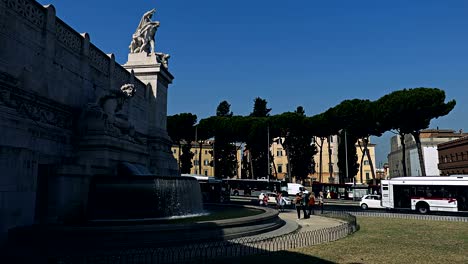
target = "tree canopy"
x: 361, y: 118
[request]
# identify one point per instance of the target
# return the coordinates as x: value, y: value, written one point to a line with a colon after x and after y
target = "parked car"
x: 370, y: 201
x: 272, y: 199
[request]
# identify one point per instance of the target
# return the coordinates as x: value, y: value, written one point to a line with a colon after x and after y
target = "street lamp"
x: 268, y: 152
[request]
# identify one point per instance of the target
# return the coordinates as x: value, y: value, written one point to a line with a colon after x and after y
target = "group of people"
x: 306, y: 202
x: 303, y: 202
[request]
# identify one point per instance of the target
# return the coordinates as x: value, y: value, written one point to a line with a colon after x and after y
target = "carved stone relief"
x: 27, y: 9
x: 69, y: 38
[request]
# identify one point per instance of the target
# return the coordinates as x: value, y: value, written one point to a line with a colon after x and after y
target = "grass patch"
x: 385, y: 240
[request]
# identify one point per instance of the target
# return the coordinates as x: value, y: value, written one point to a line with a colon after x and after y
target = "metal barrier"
x: 411, y: 216
x: 208, y: 251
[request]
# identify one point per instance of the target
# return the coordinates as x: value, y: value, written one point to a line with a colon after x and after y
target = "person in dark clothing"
x: 298, y: 203
x: 311, y: 204
x: 304, y: 202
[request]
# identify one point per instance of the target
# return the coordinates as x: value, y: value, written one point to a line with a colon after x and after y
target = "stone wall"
x: 55, y: 135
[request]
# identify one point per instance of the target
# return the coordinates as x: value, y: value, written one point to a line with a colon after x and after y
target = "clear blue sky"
x: 302, y: 52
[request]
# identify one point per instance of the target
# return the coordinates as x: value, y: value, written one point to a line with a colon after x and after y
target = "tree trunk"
x: 330, y: 167
x: 363, y: 151
x: 289, y: 162
x: 200, y: 158
x: 320, y: 160
x: 274, y: 167
x: 371, y: 163
x: 251, y: 164
x: 178, y: 160
x: 403, y: 148
x: 420, y: 154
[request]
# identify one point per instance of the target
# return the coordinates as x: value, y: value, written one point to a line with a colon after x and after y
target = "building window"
x: 331, y: 151
x: 206, y: 152
x: 196, y: 163
x: 331, y: 139
x: 206, y: 162
x: 206, y: 172
x: 195, y: 152
x: 279, y: 152
x: 175, y: 151
x: 280, y: 168
x: 366, y: 162
x: 367, y: 176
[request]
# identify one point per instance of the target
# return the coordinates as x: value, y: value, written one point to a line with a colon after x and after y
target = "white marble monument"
x: 69, y: 112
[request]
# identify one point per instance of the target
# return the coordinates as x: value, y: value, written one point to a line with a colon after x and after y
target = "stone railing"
x: 31, y: 10
x: 43, y: 17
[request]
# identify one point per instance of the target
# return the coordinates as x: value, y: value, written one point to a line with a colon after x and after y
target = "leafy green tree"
x: 186, y: 158
x: 418, y: 106
x: 298, y: 144
x: 322, y: 126
x: 224, y: 109
x: 256, y: 138
x: 224, y: 148
x: 260, y: 108
x: 360, y: 118
x: 181, y: 129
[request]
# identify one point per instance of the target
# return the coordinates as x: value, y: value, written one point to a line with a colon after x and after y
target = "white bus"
x: 249, y: 187
x: 426, y: 193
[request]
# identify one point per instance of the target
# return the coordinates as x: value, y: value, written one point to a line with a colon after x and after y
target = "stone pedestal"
x: 152, y: 70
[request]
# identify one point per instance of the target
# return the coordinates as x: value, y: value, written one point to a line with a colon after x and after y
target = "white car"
x: 272, y: 199
x: 370, y: 201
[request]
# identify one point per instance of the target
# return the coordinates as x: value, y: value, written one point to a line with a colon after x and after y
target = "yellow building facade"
x: 330, y: 171
x: 280, y: 164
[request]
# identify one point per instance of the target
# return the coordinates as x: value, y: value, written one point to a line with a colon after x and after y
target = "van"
x: 294, y: 188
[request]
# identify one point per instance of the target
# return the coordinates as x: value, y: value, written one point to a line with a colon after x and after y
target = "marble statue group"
x: 143, y: 38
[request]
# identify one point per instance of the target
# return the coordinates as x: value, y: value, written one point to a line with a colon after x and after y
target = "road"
x: 346, y: 206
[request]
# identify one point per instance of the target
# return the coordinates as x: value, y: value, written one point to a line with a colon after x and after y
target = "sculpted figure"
x: 143, y: 38
x: 163, y: 58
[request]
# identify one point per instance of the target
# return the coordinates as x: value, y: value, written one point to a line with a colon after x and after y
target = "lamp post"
x: 268, y: 152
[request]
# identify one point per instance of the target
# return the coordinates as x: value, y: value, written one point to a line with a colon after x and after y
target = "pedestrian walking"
x: 279, y: 202
x: 265, y: 199
x: 305, y: 200
x: 311, y: 203
x: 321, y: 201
x: 298, y: 203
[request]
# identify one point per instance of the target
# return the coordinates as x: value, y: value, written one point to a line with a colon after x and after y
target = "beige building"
x: 430, y: 138
x: 280, y: 167
x: 366, y: 166
x: 330, y: 169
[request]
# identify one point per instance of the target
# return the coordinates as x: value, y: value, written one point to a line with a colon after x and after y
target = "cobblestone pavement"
x: 315, y: 222
x: 292, y: 224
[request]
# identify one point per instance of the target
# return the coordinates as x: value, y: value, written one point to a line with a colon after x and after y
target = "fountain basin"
x: 109, y: 237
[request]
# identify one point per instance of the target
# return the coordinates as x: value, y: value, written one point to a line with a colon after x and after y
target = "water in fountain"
x: 177, y: 197
x: 143, y: 197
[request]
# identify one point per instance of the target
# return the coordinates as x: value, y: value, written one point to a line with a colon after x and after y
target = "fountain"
x: 91, y: 166
x: 143, y: 197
